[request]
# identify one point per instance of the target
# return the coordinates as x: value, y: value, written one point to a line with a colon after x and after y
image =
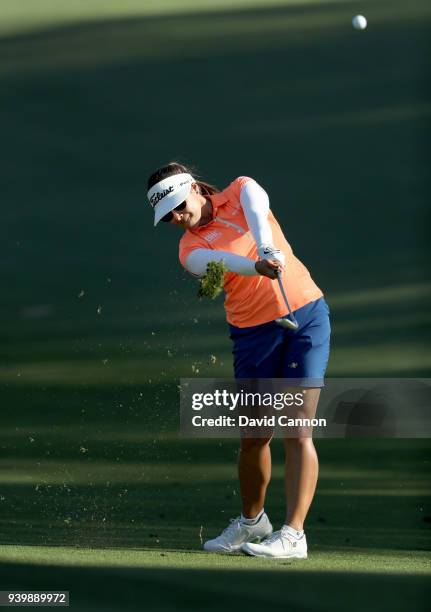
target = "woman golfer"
x: 237, y: 226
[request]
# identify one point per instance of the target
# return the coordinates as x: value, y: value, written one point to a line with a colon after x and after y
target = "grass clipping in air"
x: 211, y: 284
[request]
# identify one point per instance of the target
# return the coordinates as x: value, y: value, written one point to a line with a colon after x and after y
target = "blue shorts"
x: 272, y: 351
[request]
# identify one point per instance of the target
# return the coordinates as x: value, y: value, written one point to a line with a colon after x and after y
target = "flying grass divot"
x: 211, y: 284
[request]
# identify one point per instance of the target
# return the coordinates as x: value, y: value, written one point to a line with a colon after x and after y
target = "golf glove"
x: 266, y: 251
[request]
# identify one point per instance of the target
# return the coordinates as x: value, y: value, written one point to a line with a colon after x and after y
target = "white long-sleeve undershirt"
x: 255, y: 204
x: 198, y: 260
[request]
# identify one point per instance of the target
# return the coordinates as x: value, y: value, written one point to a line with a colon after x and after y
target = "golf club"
x: 291, y: 323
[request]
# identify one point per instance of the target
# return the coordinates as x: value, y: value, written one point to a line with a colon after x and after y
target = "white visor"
x: 165, y: 195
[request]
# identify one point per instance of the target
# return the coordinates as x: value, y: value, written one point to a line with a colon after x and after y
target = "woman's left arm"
x: 255, y: 204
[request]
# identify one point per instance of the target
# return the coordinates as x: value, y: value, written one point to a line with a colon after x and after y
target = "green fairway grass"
x: 98, y: 492
x: 77, y: 223
x: 28, y: 15
x: 362, y: 561
x: 83, y: 505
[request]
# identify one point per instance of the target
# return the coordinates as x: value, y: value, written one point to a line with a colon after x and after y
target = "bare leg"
x: 302, y: 468
x: 254, y: 470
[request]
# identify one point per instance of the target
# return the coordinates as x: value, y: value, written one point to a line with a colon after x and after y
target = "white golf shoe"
x: 281, y: 545
x: 238, y: 533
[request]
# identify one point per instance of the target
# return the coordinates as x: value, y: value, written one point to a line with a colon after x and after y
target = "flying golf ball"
x: 359, y: 22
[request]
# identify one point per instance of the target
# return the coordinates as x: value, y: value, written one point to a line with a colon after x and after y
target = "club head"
x: 288, y: 323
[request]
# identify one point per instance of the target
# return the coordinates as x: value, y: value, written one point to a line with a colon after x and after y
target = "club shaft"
x: 280, y: 283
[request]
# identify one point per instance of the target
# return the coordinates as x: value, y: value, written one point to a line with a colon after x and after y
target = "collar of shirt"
x: 217, y: 199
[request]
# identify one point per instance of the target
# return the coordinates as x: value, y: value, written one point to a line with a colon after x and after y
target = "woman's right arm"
x: 197, y: 261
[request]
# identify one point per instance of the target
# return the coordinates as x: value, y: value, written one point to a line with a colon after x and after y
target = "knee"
x: 248, y: 444
x: 298, y: 443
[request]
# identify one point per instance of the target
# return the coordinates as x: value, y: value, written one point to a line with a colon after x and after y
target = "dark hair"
x: 176, y: 168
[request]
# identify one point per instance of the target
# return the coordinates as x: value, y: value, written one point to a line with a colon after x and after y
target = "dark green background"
x: 334, y: 124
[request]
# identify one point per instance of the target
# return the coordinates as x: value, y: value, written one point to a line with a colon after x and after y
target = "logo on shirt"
x: 212, y: 235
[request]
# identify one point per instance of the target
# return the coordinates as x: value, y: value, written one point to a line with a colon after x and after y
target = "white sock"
x: 251, y: 521
x: 292, y: 531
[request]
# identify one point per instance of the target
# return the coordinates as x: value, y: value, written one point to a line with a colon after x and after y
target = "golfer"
x: 236, y: 226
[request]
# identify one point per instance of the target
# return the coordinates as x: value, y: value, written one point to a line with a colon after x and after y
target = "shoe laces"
x: 272, y: 538
x: 233, y: 526
x: 279, y: 535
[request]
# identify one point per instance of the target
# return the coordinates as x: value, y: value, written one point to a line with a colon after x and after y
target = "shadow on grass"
x: 112, y: 589
x: 170, y: 502
x: 86, y: 119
